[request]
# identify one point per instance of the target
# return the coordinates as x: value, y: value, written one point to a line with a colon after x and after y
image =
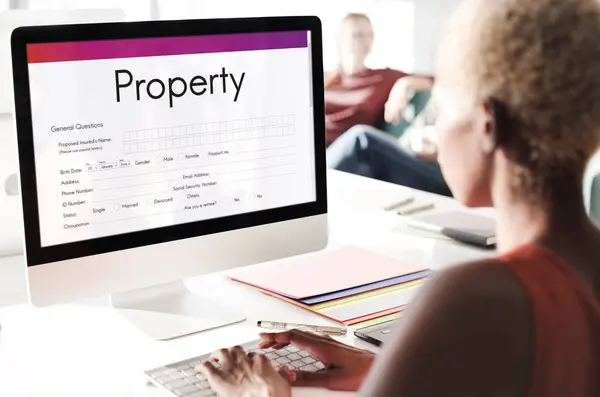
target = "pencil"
x: 416, y: 210
x: 395, y: 206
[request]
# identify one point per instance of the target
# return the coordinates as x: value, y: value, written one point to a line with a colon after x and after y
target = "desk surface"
x: 88, y: 349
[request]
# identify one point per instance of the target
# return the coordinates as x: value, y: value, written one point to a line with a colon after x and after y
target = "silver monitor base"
x: 170, y: 310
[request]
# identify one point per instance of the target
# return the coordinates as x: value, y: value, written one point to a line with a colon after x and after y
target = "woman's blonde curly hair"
x: 539, y: 59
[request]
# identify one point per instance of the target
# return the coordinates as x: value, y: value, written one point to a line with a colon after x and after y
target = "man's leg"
x: 366, y: 151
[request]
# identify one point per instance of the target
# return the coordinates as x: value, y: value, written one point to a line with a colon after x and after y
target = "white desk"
x: 88, y: 350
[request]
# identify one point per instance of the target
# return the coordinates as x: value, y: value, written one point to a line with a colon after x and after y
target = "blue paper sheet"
x: 313, y: 300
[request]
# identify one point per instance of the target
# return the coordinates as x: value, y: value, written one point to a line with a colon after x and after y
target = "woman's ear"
x: 496, y: 124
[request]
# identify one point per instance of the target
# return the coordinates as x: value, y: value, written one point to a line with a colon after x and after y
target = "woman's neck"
x: 561, y: 220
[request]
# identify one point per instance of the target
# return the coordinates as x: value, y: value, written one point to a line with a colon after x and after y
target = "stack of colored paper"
x: 349, y: 285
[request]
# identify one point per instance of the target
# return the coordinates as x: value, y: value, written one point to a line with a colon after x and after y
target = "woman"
x: 355, y: 94
x: 518, y: 99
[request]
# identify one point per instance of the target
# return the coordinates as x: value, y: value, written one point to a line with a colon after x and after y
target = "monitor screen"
x: 144, y: 133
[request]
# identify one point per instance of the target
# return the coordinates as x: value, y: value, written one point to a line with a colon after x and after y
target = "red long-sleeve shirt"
x: 357, y: 99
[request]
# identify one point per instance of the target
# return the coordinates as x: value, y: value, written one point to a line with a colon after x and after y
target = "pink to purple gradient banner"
x: 149, y: 47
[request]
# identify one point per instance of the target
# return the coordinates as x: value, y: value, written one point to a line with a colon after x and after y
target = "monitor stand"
x: 168, y: 311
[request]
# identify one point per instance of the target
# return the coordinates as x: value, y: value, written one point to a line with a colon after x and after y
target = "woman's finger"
x: 239, y: 354
x: 209, y: 370
x: 326, y: 349
x: 225, y: 358
x: 279, y: 346
x: 287, y: 374
x: 262, y: 364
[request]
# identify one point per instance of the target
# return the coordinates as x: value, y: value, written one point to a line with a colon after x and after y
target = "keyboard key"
x: 308, y: 360
x: 297, y: 364
x: 294, y: 357
x: 182, y: 368
x: 292, y: 349
x: 176, y: 384
x: 283, y: 360
x: 192, y: 379
x: 164, y: 379
x: 203, y: 385
x: 309, y: 368
x: 272, y: 356
x: 185, y: 390
x: 169, y: 371
x: 189, y: 372
x: 320, y: 366
x: 201, y: 376
x: 178, y: 375
x: 195, y: 363
x: 304, y: 353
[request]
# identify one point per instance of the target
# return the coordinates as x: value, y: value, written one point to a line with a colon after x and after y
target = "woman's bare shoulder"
x: 468, y: 333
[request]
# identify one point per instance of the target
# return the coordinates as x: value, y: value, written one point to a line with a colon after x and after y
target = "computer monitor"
x: 151, y: 152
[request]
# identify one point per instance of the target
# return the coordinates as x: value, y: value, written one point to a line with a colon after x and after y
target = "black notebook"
x: 461, y: 226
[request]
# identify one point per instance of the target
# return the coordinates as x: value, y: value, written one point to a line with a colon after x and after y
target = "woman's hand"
x: 242, y: 375
x: 347, y: 366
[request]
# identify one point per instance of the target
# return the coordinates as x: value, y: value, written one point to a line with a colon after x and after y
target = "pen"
x: 415, y: 210
x: 399, y: 204
x: 325, y: 330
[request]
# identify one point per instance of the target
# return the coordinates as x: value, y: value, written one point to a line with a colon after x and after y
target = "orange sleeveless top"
x: 566, y: 315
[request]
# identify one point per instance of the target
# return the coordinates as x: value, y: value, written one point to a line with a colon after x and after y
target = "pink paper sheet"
x: 323, y: 272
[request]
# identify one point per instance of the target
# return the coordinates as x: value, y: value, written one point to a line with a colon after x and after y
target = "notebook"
x: 459, y: 225
x: 323, y: 272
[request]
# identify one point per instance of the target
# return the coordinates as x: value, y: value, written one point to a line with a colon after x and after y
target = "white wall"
x: 430, y: 18
x: 392, y: 22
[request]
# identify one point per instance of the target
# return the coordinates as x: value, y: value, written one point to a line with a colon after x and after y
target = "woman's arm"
x: 468, y: 335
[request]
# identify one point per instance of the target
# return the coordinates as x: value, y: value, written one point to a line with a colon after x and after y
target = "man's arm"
x: 400, y: 95
x: 469, y: 334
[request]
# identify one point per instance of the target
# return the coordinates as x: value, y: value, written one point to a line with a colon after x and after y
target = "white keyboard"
x: 181, y: 379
